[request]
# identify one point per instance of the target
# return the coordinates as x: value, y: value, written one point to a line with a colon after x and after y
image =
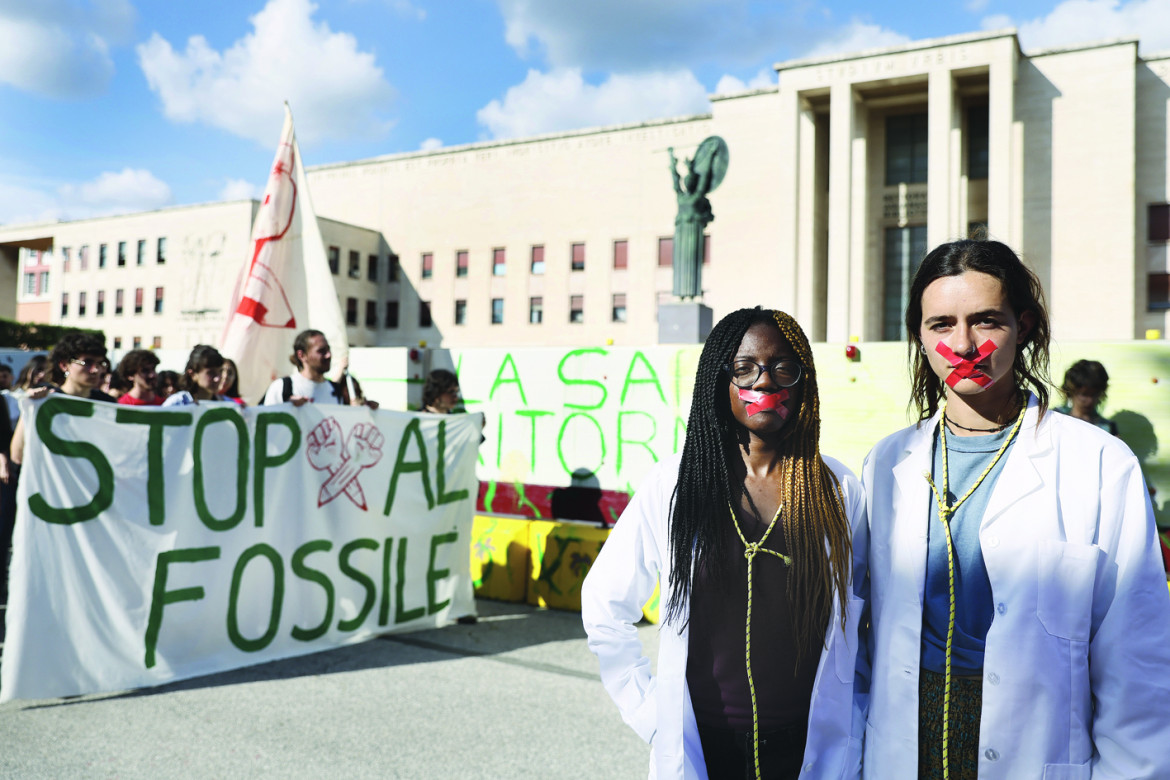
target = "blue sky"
x: 113, y: 106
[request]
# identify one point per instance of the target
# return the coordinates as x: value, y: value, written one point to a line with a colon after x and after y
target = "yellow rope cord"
x: 750, y: 550
x: 944, y: 516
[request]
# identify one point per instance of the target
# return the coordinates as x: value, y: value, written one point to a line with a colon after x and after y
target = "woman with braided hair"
x: 1020, y: 627
x: 758, y: 544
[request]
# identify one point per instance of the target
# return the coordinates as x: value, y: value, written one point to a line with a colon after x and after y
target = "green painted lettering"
x: 302, y: 570
x: 568, y: 382
x: 104, y: 497
x: 360, y: 577
x: 384, y: 607
x: 645, y: 443
x: 264, y: 461
x: 155, y: 482
x: 233, y: 626
x: 561, y: 438
x: 441, y: 472
x: 404, y: 466
x: 434, y: 575
x: 645, y: 380
x: 206, y: 420
x: 403, y: 615
x: 161, y: 596
x: 532, y: 415
x: 514, y: 379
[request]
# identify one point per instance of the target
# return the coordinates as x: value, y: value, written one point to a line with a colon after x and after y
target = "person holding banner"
x: 758, y: 544
x: 201, y: 378
x: 1021, y: 626
x: 313, y: 359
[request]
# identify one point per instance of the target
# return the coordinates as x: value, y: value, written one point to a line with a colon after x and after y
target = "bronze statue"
x: 705, y: 171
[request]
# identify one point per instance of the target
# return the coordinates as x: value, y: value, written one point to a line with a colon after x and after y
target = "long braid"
x: 814, y: 512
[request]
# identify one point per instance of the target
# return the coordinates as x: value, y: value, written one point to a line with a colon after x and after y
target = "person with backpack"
x: 309, y: 383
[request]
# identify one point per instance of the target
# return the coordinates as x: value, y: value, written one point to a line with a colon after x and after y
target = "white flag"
x: 285, y: 285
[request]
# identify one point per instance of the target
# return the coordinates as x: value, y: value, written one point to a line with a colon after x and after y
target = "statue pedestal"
x: 683, y: 323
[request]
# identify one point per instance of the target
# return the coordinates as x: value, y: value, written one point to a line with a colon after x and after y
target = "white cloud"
x: 626, y: 36
x: 335, y: 90
x: 729, y: 84
x: 562, y: 100
x: 1085, y: 21
x: 408, y: 10
x: 60, y: 48
x: 431, y: 144
x: 239, y: 189
x: 856, y: 36
x: 112, y: 192
x: 976, y: 6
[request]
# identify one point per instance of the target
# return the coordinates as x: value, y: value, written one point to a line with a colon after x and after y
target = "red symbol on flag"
x: 264, y: 299
x: 343, y: 458
x: 964, y: 368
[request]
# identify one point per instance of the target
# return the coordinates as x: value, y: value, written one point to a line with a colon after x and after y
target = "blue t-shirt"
x: 967, y: 457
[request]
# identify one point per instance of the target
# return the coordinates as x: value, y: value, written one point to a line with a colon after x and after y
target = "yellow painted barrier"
x: 499, y: 558
x: 561, y: 554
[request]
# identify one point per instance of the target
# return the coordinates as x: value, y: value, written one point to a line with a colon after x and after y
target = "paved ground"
x: 515, y: 695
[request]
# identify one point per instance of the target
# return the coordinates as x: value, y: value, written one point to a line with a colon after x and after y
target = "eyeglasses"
x: 90, y: 363
x: 745, y: 373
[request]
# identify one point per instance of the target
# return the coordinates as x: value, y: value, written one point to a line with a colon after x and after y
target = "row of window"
x: 136, y: 342
x: 1158, y: 232
x: 907, y: 154
x: 355, y: 265
x: 119, y: 302
x: 160, y: 255
x: 425, y: 320
x: 621, y: 255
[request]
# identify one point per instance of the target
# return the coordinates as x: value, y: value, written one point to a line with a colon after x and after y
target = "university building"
x: 841, y: 176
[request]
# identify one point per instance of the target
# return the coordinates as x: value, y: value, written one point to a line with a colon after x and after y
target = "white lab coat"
x: 634, y: 559
x: 1076, y: 678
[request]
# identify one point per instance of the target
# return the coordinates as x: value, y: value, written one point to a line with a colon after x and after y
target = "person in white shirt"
x: 313, y: 359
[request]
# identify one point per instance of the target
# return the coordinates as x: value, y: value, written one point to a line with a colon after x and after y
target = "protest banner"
x: 155, y: 545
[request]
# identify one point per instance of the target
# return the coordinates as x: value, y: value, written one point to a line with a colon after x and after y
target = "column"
x: 940, y: 217
x: 1000, y: 120
x: 841, y: 122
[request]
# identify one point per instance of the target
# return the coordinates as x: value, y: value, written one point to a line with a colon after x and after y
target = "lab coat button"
x: 808, y: 767
x: 1001, y: 608
x: 993, y: 678
x: 991, y: 754
x: 993, y: 541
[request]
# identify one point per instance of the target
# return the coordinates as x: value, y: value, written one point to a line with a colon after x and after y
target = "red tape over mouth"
x: 964, y: 368
x: 760, y: 402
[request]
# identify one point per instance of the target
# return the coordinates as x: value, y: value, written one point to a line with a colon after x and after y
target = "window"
x: 706, y: 249
x: 620, y: 256
x: 30, y: 284
x: 43, y: 283
x: 355, y: 265
x: 424, y: 314
x: 391, y: 314
x: 141, y: 257
x: 83, y: 257
x: 497, y: 311
x: 577, y: 308
x: 351, y: 311
x: 1159, y: 217
x: 100, y: 309
x: 460, y: 312
x: 156, y: 342
x: 65, y: 259
x: 977, y: 142
x: 498, y: 262
x: 666, y: 252
x: 428, y: 265
x: 102, y: 256
x: 117, y: 342
x: 64, y: 304
x: 81, y: 304
x: 121, y: 254
x: 578, y: 255
x: 1158, y: 291
x: 371, y: 314
x: 158, y: 300
x: 118, y: 301
x: 162, y: 251
x: 536, y: 310
x: 392, y: 268
x: 137, y: 342
x: 372, y: 268
x: 619, y: 307
x: 461, y: 263
x: 906, y: 152
x: 537, y: 260
x: 905, y: 248
x: 334, y: 260
x: 138, y: 300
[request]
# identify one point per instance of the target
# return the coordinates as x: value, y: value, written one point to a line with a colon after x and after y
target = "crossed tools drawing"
x: 344, y: 459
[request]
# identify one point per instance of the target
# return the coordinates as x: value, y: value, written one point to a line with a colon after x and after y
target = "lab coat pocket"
x: 845, y: 652
x: 1067, y: 771
x: 1064, y: 597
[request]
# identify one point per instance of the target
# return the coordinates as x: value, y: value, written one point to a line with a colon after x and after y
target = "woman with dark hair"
x: 136, y: 370
x: 748, y: 533
x: 200, y: 380
x: 1085, y: 386
x: 441, y: 392
x: 229, y: 382
x: 1020, y: 624
x: 166, y: 383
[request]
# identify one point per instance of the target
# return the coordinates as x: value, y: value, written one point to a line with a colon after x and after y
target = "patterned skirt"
x: 963, y: 747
